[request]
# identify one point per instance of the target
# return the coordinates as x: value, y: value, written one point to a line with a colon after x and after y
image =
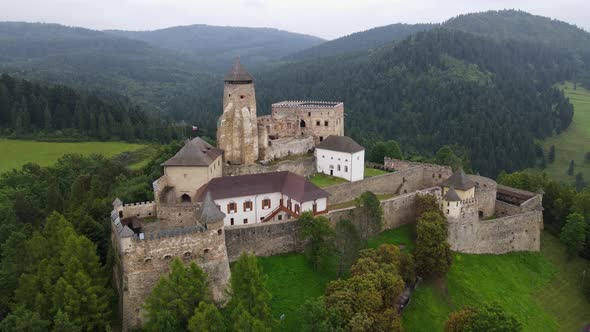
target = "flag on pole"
x: 195, y: 128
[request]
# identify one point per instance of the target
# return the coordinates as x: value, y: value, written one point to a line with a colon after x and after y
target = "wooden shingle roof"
x: 288, y: 183
x: 340, y: 144
x: 459, y: 181
x: 238, y: 74
x: 195, y: 152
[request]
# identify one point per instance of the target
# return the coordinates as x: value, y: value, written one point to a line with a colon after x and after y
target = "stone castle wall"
x: 397, y: 211
x: 143, y: 262
x: 263, y: 239
x: 485, y: 194
x: 304, y: 166
x: 519, y: 232
x: 283, y: 147
x: 401, y: 182
x: 139, y: 210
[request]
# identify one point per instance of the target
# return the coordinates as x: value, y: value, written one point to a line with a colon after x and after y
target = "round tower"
x: 237, y: 129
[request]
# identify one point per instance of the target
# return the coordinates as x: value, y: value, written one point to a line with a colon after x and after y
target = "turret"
x: 451, y: 203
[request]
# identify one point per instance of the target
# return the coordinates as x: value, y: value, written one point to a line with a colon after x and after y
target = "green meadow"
x: 541, y: 289
x: 573, y: 143
x: 15, y: 153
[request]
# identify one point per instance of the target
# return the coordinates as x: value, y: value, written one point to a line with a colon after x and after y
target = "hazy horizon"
x: 327, y: 19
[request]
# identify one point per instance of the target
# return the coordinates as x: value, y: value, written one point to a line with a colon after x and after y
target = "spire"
x: 209, y: 212
x: 238, y: 74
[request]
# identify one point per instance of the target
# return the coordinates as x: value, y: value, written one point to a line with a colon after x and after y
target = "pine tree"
x: 570, y: 170
x: 176, y: 296
x: 207, y: 318
x: 48, y: 124
x: 248, y: 288
x: 551, y: 154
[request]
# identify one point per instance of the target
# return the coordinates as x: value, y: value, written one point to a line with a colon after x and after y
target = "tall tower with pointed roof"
x: 237, y: 129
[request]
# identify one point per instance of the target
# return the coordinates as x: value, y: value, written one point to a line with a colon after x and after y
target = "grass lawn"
x: 369, y: 172
x: 292, y: 281
x: 575, y: 141
x: 541, y: 289
x: 403, y: 235
x: 562, y: 297
x: 15, y: 153
x: 323, y: 180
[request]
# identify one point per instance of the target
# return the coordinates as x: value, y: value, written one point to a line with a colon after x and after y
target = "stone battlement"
x: 307, y: 104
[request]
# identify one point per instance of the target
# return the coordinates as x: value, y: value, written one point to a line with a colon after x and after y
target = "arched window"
x: 302, y: 124
x: 185, y: 198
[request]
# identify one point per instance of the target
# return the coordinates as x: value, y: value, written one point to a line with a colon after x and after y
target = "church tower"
x: 237, y: 129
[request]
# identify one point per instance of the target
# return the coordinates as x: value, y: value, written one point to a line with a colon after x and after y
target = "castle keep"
x: 294, y: 127
x: 202, y: 216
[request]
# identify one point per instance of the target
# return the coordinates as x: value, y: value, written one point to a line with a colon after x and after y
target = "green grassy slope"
x: 541, y: 289
x: 575, y: 141
x: 15, y: 153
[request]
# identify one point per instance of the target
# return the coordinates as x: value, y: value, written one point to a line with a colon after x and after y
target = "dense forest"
x: 441, y: 87
x: 30, y: 110
x: 479, y: 82
x: 216, y: 47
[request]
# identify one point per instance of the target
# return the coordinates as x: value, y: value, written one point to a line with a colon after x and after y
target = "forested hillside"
x: 58, y: 112
x: 219, y: 46
x: 441, y: 87
x: 361, y: 41
x: 522, y: 26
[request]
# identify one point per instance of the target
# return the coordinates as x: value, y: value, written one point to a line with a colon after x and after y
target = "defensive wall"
x: 263, y: 239
x: 303, y: 165
x: 408, y: 180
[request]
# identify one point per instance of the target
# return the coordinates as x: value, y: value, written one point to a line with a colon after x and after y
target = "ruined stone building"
x: 294, y: 127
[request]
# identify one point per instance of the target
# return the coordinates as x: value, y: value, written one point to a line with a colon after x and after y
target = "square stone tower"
x: 237, y: 129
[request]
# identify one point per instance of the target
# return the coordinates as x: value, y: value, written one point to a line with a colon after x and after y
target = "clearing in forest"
x: 15, y: 153
x: 573, y: 143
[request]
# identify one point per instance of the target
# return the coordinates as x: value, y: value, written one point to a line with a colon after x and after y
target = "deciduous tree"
x: 433, y: 253
x: 573, y: 234
x: 368, y: 215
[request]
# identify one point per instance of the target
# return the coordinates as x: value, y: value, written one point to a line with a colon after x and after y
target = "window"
x: 321, y: 138
x: 308, y: 113
x: 261, y: 218
x: 326, y: 123
x: 185, y: 198
x: 245, y: 220
x: 346, y: 169
x: 448, y: 203
x: 302, y: 124
x: 297, y: 208
x: 219, y: 232
x: 447, y: 211
x: 338, y: 168
x: 242, y: 97
x: 232, y: 207
x: 231, y: 221
x: 266, y: 203
x: 247, y: 206
x: 280, y: 217
x: 317, y: 123
x: 206, y: 251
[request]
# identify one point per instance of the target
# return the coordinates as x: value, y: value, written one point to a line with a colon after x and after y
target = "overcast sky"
x: 324, y: 18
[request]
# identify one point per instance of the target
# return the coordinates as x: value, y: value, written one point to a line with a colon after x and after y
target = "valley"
x: 574, y: 142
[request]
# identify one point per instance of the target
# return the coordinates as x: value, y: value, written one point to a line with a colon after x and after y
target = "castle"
x: 201, y: 214
x: 294, y: 127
